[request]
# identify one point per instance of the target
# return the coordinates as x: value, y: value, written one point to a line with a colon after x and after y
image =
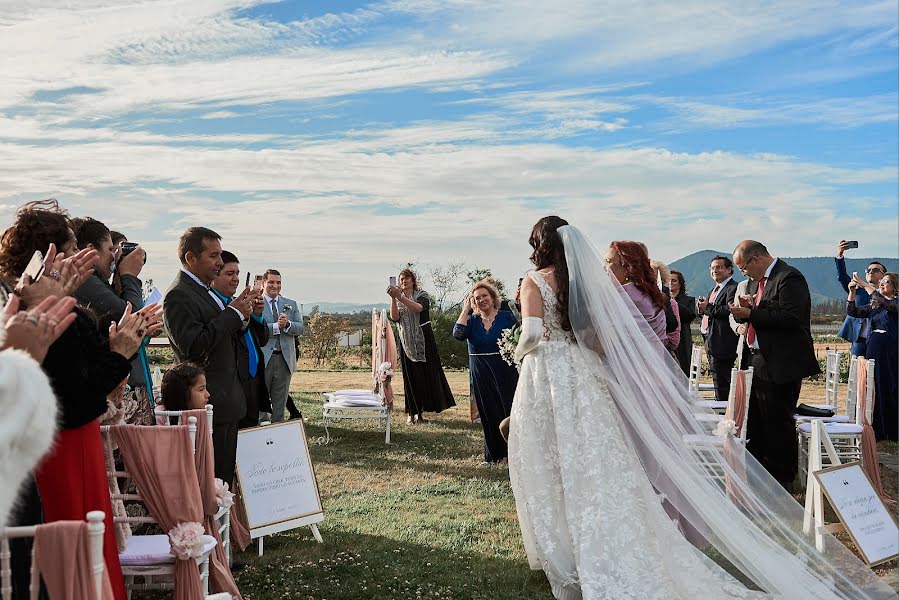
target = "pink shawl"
x: 161, y: 462
x: 62, y: 556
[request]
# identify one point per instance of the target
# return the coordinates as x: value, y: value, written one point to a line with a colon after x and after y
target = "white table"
x: 332, y: 411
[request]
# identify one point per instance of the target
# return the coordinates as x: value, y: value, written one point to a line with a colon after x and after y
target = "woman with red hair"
x: 629, y: 264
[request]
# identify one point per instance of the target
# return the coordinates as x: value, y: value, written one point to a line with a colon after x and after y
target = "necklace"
x: 488, y: 321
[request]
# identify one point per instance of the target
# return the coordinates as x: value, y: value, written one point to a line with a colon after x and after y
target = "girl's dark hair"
x: 636, y: 264
x: 680, y: 279
x: 89, y: 231
x: 549, y: 251
x: 37, y: 225
x: 176, y: 384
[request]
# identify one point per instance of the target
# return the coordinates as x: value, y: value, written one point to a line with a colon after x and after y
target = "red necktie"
x: 704, y: 328
x: 750, y: 335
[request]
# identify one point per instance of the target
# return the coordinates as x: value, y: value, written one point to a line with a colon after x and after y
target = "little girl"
x: 183, y: 388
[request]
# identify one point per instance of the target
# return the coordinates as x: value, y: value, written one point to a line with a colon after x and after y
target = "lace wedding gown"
x: 588, y: 514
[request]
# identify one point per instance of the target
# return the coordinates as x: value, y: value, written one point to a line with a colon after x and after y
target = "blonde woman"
x: 493, y: 381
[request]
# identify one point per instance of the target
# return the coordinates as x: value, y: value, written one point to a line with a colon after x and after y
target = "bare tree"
x: 445, y: 281
x: 479, y: 274
x: 321, y: 335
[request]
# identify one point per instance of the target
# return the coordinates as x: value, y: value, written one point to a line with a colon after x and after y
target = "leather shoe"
x: 238, y: 565
x: 296, y: 416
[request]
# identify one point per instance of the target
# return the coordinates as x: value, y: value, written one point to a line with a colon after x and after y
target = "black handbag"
x: 807, y: 410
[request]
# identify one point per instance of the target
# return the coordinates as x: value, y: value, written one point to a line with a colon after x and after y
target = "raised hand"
x: 62, y: 276
x: 152, y: 315
x: 126, y: 336
x: 243, y: 303
x: 842, y: 247
x: 35, y: 330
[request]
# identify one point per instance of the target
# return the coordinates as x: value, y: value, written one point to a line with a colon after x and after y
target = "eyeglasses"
x: 748, y: 262
x: 874, y: 270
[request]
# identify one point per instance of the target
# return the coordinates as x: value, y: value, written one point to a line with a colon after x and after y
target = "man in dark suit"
x: 777, y: 310
x: 249, y: 342
x: 202, y: 329
x: 720, y: 340
x: 855, y: 329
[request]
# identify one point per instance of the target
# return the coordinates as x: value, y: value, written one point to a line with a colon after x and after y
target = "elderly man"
x: 777, y: 311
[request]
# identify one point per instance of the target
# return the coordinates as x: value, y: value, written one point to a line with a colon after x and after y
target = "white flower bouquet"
x: 726, y: 427
x: 508, y: 341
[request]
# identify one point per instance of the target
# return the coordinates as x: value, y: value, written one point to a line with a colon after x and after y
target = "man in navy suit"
x: 855, y: 329
x: 777, y: 310
x: 720, y: 340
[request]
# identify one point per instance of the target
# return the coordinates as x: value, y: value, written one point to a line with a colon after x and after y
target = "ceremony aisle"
x: 418, y: 519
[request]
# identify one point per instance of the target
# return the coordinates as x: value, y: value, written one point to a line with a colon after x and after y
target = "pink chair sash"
x: 160, y: 460
x: 738, y: 410
x: 240, y: 527
x: 869, y: 444
x: 382, y: 327
x: 62, y: 557
x: 734, y: 451
x: 220, y: 575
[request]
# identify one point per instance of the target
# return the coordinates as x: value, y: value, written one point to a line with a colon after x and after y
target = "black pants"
x: 720, y: 367
x: 772, y: 431
x: 224, y: 442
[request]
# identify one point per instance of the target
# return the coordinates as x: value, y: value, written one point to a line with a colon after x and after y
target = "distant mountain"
x: 343, y: 308
x: 819, y: 271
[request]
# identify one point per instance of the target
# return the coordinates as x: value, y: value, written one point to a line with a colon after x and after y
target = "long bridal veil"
x: 751, y: 522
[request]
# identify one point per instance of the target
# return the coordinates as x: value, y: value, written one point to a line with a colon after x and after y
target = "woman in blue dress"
x: 493, y: 381
x: 882, y: 340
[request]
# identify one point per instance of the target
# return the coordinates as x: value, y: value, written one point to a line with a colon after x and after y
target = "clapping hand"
x: 126, y: 336
x: 739, y: 311
x: 746, y: 300
x: 62, y: 276
x: 152, y: 315
x: 35, y: 330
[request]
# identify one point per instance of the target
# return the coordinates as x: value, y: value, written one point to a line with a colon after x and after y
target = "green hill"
x: 819, y: 271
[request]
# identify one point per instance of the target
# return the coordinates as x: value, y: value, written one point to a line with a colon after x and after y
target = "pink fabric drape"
x: 62, y: 555
x: 869, y: 444
x: 382, y: 336
x: 240, y: 527
x: 733, y: 449
x: 220, y: 576
x: 161, y: 462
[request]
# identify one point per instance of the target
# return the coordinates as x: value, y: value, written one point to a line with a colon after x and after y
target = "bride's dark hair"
x: 550, y: 252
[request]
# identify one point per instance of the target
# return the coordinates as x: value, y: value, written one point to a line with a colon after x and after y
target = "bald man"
x: 777, y: 309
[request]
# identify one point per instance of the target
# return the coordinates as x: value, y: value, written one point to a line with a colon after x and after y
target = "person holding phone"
x: 883, y: 338
x: 856, y: 329
x: 424, y: 383
x: 283, y: 318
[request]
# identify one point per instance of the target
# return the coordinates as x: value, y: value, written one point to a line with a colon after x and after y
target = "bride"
x: 604, y: 479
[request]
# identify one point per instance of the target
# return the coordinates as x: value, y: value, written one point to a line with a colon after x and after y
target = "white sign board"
x: 276, y: 478
x: 862, y: 511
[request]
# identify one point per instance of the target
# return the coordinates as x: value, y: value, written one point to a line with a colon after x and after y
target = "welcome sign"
x: 277, y: 480
x: 862, y: 512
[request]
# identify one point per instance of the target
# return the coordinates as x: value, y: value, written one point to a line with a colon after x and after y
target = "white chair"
x: 846, y: 436
x: 710, y: 420
x: 707, y: 446
x: 831, y: 385
x: 831, y: 397
x: 149, y: 556
x: 95, y: 529
x: 704, y: 399
x: 352, y: 405
x: 223, y: 516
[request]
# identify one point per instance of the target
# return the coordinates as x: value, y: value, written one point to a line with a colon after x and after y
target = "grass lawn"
x: 416, y: 519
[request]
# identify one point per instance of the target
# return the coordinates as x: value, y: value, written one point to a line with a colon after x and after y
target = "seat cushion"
x: 833, y: 428
x: 154, y: 550
x: 833, y: 419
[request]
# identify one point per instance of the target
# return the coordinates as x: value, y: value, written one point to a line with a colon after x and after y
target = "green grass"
x: 417, y: 519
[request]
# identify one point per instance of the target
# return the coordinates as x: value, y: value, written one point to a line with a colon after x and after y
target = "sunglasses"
x: 874, y: 270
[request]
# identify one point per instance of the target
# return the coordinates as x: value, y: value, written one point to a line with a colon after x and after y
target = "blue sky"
x: 338, y: 140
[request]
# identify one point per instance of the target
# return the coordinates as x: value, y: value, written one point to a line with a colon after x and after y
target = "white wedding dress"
x: 588, y: 514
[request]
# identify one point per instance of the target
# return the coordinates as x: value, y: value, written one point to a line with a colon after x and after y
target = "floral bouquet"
x: 508, y: 341
x: 725, y: 428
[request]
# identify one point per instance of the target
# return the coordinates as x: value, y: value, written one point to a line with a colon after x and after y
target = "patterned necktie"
x: 704, y: 328
x: 750, y: 334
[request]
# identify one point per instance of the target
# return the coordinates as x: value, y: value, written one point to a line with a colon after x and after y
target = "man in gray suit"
x: 283, y: 317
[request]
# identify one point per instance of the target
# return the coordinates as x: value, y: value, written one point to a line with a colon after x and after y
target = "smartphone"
x: 35, y: 267
x: 852, y: 244
x: 393, y: 281
x: 257, y: 282
x: 247, y: 284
